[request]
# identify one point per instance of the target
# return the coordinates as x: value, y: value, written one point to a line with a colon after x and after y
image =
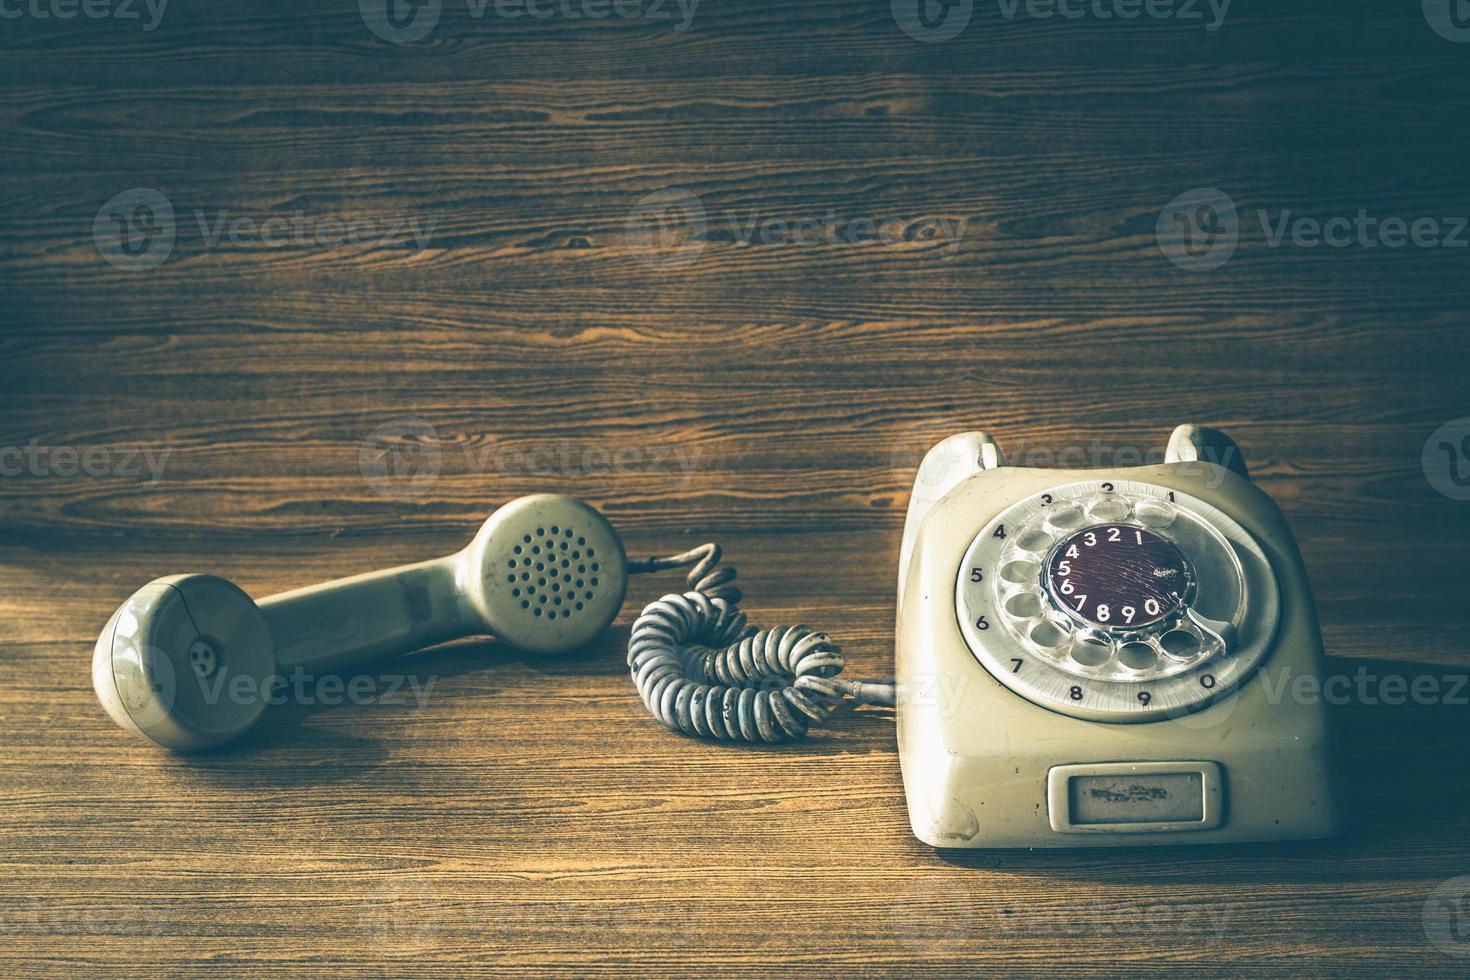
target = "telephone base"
x: 1013, y: 732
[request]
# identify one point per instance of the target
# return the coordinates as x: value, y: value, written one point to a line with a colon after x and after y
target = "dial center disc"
x: 1117, y: 576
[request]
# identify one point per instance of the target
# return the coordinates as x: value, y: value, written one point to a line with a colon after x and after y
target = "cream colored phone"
x: 1106, y: 657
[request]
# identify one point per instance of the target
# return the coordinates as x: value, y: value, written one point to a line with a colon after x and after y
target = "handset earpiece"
x: 189, y: 661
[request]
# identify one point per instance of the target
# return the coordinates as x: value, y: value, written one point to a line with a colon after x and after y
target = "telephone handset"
x: 1103, y: 657
x: 190, y: 661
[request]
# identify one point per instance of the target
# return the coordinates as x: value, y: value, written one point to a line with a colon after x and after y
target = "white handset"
x: 544, y: 574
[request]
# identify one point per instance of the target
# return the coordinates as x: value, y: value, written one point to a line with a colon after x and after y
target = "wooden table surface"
x: 215, y: 404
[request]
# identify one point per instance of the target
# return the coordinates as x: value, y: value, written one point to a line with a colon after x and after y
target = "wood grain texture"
x: 772, y: 395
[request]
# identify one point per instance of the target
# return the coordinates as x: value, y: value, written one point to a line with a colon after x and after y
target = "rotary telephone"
x: 1078, y: 651
x: 1082, y: 655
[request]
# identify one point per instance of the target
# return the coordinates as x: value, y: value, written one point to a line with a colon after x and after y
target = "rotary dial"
x: 1116, y: 601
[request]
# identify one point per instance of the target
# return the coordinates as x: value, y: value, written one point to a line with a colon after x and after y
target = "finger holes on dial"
x: 1091, y: 653
x: 1142, y: 655
x: 1020, y: 572
x: 1108, y: 508
x: 1137, y: 656
x: 1048, y: 636
x: 1179, y: 644
x: 1154, y: 513
x: 1033, y: 540
x: 1024, y: 605
x: 1065, y: 517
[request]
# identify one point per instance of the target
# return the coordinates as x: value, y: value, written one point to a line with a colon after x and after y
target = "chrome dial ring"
x: 1116, y: 600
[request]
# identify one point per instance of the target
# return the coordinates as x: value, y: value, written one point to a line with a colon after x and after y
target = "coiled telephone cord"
x: 701, y: 669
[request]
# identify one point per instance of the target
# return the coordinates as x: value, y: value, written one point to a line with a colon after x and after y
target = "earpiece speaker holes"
x: 564, y: 569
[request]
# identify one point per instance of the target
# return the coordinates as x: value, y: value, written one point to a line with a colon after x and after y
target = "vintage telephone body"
x: 1025, y: 721
x: 1026, y: 717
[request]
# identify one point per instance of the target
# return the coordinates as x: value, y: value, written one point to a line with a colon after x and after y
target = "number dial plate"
x: 1215, y: 620
x: 1117, y: 575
